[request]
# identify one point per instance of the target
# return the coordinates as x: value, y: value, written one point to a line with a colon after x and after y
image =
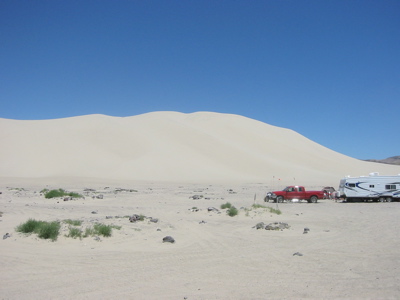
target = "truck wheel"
x: 279, y: 199
x: 313, y: 199
x: 266, y: 199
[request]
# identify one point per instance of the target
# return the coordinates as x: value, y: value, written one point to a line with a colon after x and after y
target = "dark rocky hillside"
x: 394, y: 160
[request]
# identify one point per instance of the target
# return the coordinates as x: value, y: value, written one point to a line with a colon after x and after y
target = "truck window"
x: 300, y: 189
x: 390, y: 186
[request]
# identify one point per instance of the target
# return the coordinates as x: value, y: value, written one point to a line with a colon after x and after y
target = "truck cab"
x: 294, y: 192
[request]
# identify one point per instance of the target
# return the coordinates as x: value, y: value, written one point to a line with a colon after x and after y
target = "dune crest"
x: 171, y: 146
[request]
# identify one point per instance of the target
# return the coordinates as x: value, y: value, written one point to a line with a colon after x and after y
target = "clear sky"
x: 329, y: 70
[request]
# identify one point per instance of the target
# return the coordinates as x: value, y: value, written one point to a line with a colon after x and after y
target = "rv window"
x: 371, y: 186
x: 390, y: 186
x: 352, y: 185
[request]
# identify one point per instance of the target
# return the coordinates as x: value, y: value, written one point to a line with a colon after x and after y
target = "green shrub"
x: 102, y: 229
x: 49, y: 230
x: 232, y: 211
x: 54, y: 193
x: 75, y: 195
x: 258, y: 206
x: 28, y: 227
x: 226, y: 205
x: 60, y: 193
x: 275, y: 211
x: 74, y: 232
x: 73, y: 222
x: 89, y: 231
x: 271, y: 209
x: 44, y: 230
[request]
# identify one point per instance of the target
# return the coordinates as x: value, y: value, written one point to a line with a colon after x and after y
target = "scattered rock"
x: 202, y: 222
x: 158, y: 229
x: 7, y: 235
x: 297, y: 254
x: 67, y: 198
x: 134, y: 218
x: 272, y: 226
x: 154, y: 220
x: 277, y: 226
x: 97, y: 238
x: 196, y: 197
x: 168, y: 239
x: 94, y: 212
x: 109, y: 217
x: 213, y: 209
x: 260, y: 225
x: 306, y: 230
x: 117, y: 190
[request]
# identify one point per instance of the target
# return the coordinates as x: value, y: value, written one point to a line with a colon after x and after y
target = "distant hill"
x: 394, y: 160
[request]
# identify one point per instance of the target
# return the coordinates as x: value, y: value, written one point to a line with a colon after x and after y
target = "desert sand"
x: 163, y: 162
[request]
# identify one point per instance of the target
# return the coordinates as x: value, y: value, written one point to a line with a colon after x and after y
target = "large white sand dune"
x: 171, y: 146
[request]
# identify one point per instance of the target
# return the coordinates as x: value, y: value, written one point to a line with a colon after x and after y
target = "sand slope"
x: 171, y: 146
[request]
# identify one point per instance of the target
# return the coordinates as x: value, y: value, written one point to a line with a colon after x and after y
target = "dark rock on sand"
x: 277, y: 226
x: 134, y: 218
x: 260, y: 225
x: 168, y: 239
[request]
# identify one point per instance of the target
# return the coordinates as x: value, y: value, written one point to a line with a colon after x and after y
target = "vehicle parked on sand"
x: 330, y: 192
x: 370, y: 188
x: 294, y: 192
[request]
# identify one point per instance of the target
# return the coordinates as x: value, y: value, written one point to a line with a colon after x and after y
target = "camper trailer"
x: 370, y: 188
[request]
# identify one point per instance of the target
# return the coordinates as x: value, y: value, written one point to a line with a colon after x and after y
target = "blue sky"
x: 329, y: 70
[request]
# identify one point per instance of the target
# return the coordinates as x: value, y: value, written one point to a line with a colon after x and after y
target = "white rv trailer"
x: 370, y: 188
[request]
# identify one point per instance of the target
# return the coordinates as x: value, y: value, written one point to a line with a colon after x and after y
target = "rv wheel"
x: 381, y: 199
x: 389, y: 199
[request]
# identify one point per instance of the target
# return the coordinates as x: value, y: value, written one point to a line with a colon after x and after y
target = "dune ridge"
x: 171, y: 146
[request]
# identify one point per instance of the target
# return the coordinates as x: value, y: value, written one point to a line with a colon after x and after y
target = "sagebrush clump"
x: 44, y: 230
x: 232, y: 211
x: 226, y: 205
x: 60, y: 193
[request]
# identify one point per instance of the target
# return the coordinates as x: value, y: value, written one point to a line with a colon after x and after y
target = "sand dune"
x: 171, y: 146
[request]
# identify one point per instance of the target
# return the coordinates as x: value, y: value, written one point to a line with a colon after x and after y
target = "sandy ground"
x: 350, y: 252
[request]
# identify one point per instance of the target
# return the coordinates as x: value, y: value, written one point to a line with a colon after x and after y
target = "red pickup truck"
x: 290, y: 193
